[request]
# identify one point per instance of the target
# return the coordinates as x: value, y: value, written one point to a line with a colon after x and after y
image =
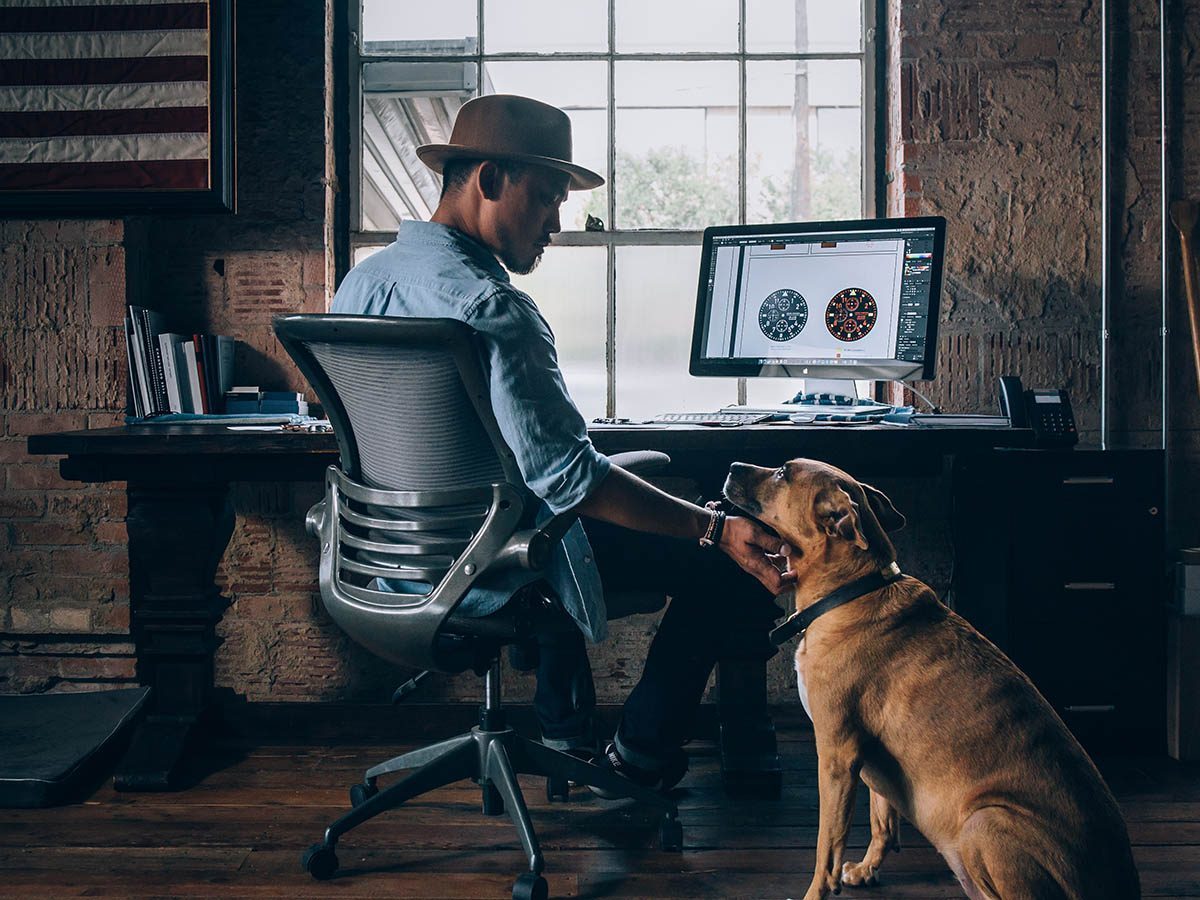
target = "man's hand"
x: 758, y: 552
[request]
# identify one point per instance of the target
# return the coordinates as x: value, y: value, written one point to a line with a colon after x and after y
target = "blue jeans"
x: 711, y: 596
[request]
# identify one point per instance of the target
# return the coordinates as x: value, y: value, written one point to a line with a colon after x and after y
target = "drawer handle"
x: 1090, y: 586
x: 1089, y: 479
x: 1103, y: 708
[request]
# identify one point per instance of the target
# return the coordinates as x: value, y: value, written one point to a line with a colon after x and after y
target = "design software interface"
x: 836, y: 298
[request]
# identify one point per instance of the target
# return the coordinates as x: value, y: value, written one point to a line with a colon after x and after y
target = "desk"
x: 180, y: 520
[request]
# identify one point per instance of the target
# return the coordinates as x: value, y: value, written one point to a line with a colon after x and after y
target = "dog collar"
x: 798, y: 622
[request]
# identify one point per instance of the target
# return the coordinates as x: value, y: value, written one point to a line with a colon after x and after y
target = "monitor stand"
x: 822, y: 395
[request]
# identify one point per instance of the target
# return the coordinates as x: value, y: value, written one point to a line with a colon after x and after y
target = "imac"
x: 840, y: 301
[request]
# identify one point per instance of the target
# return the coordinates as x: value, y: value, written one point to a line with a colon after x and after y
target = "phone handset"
x: 1048, y: 413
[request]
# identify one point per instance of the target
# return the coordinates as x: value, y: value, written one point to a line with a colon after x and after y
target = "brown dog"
x: 941, y: 726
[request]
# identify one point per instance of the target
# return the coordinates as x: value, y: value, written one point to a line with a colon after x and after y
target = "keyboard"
x: 727, y: 419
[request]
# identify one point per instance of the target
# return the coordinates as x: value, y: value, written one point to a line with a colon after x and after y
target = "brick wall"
x: 994, y: 123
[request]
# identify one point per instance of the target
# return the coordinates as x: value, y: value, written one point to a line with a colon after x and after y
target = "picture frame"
x: 117, y: 110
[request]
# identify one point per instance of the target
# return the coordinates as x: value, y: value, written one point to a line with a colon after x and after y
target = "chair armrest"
x: 641, y: 462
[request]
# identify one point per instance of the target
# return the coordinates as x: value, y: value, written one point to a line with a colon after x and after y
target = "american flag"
x: 104, y: 94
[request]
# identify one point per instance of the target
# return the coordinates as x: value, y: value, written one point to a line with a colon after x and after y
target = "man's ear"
x: 490, y: 180
x: 890, y: 518
x: 837, y: 516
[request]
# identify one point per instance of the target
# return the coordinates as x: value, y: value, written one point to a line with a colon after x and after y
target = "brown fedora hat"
x: 504, y: 126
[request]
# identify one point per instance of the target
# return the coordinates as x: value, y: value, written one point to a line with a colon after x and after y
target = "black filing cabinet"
x: 1060, y: 560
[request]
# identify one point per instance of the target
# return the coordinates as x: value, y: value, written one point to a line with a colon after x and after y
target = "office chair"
x: 428, y: 496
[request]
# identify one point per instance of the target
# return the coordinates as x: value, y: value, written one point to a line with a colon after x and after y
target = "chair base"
x: 492, y: 758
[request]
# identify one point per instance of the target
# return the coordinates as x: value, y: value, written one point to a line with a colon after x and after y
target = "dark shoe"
x: 588, y: 755
x: 662, y: 780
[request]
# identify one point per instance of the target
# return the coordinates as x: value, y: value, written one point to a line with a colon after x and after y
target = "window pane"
x: 581, y: 90
x: 803, y: 140
x: 675, y: 26
x: 656, y: 303
x: 569, y: 288
x: 544, y: 26
x: 445, y: 27
x: 803, y: 26
x: 395, y: 184
x: 677, y: 144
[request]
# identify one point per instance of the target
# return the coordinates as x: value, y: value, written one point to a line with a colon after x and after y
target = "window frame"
x: 347, y: 215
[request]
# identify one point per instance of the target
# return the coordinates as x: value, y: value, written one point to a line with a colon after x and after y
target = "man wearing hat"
x: 505, y: 172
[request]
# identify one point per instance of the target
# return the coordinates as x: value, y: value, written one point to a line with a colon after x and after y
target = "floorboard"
x: 258, y: 798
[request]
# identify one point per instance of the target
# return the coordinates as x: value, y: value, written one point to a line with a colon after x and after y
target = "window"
x: 751, y: 111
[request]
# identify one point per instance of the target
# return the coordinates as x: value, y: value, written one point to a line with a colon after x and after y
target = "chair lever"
x: 409, y: 686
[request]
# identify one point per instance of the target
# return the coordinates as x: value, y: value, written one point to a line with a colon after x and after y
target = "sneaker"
x: 662, y: 780
x: 588, y: 755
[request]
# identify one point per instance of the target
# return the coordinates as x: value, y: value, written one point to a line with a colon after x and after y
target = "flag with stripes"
x: 104, y: 95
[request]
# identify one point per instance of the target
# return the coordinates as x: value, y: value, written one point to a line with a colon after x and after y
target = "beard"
x: 520, y: 265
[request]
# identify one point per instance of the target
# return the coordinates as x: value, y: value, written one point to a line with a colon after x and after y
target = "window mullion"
x: 610, y: 317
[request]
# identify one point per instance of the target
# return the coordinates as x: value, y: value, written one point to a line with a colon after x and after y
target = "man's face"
x: 524, y: 215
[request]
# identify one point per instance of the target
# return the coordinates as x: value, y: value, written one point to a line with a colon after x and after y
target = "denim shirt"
x: 435, y: 271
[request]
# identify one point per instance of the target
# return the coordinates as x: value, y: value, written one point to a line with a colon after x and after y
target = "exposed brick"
x: 110, y: 619
x: 91, y: 561
x: 35, y: 478
x: 106, y: 286
x: 37, y: 533
x: 110, y: 532
x: 70, y: 619
x: 21, y: 505
x: 30, y: 621
x: 25, y: 424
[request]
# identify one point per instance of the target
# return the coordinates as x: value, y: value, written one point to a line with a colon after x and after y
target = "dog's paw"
x: 859, y: 875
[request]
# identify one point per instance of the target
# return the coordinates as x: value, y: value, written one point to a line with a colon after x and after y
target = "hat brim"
x: 436, y: 155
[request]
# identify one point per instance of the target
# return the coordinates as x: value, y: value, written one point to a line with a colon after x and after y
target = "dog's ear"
x: 890, y: 518
x: 837, y: 515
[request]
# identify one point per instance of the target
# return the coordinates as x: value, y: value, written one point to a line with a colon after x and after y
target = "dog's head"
x: 819, y: 510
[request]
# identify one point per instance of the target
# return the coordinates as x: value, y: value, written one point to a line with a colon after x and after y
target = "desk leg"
x: 177, y: 535
x: 749, y: 754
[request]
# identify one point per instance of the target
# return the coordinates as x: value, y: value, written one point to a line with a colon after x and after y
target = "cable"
x: 932, y: 408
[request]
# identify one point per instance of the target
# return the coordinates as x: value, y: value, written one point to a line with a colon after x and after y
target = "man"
x: 506, y: 171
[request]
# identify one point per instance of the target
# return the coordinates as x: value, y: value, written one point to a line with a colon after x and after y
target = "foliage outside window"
x: 751, y: 111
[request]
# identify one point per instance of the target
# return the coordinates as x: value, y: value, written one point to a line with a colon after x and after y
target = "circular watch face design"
x: 783, y: 314
x: 851, y: 314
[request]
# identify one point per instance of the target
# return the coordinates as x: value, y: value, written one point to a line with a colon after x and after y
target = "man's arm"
x: 626, y: 500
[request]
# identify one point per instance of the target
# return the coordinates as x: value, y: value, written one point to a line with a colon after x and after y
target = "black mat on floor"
x: 53, y: 744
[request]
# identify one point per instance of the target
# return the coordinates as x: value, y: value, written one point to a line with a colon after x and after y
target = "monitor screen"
x: 849, y: 300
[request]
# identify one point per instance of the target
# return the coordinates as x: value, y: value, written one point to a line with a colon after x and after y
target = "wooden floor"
x: 259, y: 801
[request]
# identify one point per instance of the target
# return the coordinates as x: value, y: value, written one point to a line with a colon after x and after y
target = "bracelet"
x: 716, y: 525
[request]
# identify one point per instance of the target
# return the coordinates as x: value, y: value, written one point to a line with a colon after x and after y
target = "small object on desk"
x: 717, y: 419
x: 606, y: 420
x: 958, y: 420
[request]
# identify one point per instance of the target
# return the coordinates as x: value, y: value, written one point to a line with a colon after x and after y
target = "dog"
x: 939, y: 724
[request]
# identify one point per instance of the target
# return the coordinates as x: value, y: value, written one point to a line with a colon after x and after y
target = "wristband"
x: 716, y: 525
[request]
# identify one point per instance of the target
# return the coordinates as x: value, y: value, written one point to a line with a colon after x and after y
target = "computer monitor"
x: 822, y: 300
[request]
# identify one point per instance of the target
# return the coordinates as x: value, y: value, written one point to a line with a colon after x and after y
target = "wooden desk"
x: 180, y: 520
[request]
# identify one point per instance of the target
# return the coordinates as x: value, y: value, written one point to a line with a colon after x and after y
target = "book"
x: 201, y: 373
x: 166, y: 348
x: 152, y: 326
x: 193, y: 375
x: 137, y: 386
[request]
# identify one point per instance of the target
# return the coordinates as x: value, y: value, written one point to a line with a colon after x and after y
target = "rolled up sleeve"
x: 536, y: 415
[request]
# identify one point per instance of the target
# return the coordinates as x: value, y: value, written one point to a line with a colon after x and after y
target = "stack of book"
x: 249, y: 400
x: 175, y: 373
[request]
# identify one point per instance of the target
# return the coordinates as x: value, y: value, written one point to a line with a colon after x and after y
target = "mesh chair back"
x: 428, y: 493
x: 414, y: 424
x: 407, y: 399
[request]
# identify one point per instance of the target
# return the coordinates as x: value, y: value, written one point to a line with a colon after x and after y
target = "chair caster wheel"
x: 670, y: 835
x: 557, y: 789
x: 361, y: 793
x: 320, y: 862
x: 530, y: 887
